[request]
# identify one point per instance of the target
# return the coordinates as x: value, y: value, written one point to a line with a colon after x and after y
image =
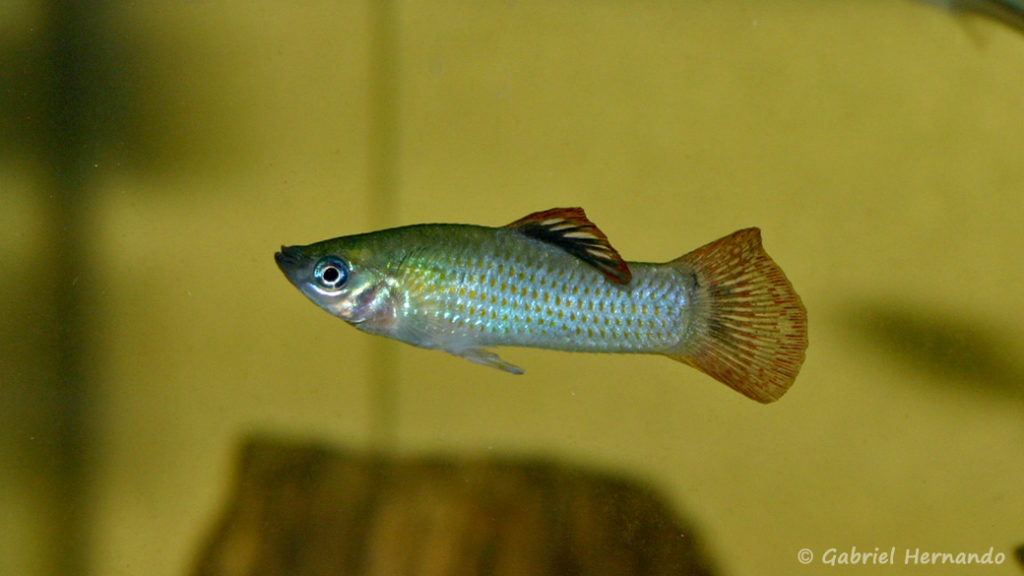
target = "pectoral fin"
x: 487, y: 358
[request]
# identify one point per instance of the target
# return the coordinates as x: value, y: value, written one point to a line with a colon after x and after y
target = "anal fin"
x: 487, y: 358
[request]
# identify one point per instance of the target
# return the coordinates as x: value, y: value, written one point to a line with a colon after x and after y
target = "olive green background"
x: 146, y: 329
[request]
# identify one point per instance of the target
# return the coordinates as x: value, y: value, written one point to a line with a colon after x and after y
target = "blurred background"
x: 154, y: 155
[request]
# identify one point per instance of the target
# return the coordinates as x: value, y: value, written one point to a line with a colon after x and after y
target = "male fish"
x: 552, y: 280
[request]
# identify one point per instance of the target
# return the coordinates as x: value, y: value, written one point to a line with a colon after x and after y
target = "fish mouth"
x: 292, y: 263
x: 287, y: 258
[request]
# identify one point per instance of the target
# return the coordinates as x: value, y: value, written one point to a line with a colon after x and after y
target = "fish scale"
x: 496, y: 296
x: 552, y: 280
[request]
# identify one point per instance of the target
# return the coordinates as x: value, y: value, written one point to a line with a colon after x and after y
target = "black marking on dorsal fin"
x: 570, y: 230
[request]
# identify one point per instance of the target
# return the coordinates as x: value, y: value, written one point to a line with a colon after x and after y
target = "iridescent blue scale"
x: 501, y: 297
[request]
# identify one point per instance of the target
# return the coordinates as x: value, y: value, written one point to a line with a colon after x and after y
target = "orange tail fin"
x: 749, y: 328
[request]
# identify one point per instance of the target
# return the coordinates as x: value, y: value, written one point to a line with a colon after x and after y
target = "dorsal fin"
x: 570, y: 230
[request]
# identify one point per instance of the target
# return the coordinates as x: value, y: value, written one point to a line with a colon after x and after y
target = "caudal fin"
x: 749, y: 328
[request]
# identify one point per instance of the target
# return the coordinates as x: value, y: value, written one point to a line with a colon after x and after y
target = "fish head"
x: 338, y: 280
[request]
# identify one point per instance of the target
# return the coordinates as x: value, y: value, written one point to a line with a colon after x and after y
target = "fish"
x: 1008, y: 12
x: 553, y: 280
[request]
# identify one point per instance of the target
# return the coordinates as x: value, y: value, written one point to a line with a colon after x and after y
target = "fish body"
x: 1009, y: 12
x: 552, y: 280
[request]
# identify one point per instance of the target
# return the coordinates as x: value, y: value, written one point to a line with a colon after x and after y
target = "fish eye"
x: 330, y: 272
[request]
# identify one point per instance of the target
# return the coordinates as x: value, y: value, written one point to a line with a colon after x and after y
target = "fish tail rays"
x: 749, y: 327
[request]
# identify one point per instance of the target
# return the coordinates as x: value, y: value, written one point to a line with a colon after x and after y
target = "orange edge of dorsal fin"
x: 571, y: 230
